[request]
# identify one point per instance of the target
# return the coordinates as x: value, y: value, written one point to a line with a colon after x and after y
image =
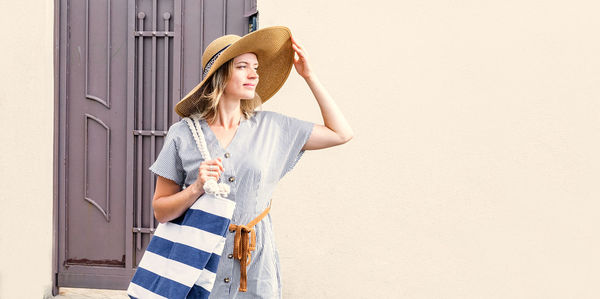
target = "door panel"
x: 122, y: 67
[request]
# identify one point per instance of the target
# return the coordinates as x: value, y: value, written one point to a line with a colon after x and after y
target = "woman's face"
x: 244, y: 78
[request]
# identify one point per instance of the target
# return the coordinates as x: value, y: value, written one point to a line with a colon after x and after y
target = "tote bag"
x: 182, y: 257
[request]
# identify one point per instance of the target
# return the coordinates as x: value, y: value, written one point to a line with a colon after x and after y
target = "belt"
x: 243, y: 244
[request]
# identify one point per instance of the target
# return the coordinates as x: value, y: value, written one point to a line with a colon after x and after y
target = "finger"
x: 204, y: 178
x: 215, y: 168
x: 207, y: 164
x: 297, y: 51
x: 296, y: 47
x: 216, y: 164
x: 209, y: 175
x: 300, y: 53
x: 294, y: 41
x: 209, y: 170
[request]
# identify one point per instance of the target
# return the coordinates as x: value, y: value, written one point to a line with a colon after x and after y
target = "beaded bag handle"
x: 211, y: 186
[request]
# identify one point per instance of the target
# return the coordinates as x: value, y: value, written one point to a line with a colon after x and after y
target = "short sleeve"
x: 168, y: 163
x: 295, y: 133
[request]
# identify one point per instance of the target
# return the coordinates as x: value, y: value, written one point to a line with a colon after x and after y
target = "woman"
x: 252, y: 150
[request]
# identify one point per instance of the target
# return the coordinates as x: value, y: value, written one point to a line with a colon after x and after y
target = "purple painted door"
x: 122, y: 65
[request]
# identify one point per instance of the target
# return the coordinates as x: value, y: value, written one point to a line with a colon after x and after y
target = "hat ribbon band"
x: 212, y: 60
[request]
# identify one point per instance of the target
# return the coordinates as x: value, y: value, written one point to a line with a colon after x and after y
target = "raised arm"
x: 336, y: 129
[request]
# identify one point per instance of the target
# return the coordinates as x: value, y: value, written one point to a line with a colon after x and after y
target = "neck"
x: 229, y: 113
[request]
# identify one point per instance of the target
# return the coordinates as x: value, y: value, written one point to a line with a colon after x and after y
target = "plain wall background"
x: 473, y: 173
x: 26, y: 149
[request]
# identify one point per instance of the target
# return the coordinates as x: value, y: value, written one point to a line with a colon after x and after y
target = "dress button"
x: 227, y: 155
x: 226, y: 280
x: 230, y: 256
x: 231, y: 178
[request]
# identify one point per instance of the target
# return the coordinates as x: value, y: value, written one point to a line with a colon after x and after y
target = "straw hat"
x: 273, y: 49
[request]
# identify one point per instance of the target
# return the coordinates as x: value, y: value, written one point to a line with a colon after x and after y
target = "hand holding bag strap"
x: 210, y: 186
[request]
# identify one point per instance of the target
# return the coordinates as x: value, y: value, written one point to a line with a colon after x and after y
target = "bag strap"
x: 210, y: 186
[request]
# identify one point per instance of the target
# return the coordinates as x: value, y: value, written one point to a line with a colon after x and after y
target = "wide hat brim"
x: 273, y: 49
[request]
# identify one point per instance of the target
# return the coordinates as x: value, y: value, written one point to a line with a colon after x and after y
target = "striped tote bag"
x: 182, y: 257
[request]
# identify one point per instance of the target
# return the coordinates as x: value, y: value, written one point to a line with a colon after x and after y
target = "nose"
x: 253, y: 73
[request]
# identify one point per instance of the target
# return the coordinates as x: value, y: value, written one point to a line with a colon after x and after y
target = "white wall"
x: 474, y: 169
x: 26, y: 149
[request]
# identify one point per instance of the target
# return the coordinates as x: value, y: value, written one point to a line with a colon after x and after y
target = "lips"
x: 250, y: 85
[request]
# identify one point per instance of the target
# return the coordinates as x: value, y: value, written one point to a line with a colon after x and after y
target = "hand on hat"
x: 301, y: 63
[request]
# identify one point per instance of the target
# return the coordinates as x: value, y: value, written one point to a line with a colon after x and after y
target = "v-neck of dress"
x: 214, y: 136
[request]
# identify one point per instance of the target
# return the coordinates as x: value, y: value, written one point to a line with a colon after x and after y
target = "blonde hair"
x: 206, y: 99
